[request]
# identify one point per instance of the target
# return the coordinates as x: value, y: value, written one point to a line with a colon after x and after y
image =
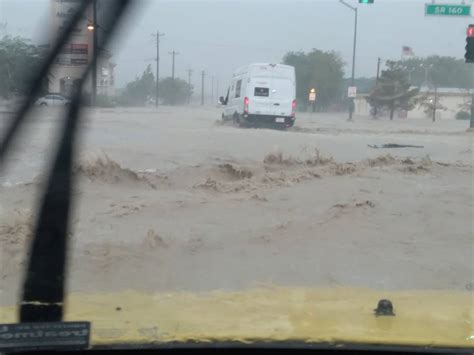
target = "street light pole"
x: 351, y: 108
x: 354, y: 46
x: 95, y: 52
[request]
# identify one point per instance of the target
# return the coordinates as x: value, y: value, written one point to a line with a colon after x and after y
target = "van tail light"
x: 246, y: 104
x: 293, y: 108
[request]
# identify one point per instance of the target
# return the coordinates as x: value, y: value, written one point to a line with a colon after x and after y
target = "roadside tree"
x: 393, y: 91
x: 317, y: 69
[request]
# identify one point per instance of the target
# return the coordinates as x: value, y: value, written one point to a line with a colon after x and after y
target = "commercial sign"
x: 62, y: 12
x: 66, y: 61
x: 74, y: 48
x: 79, y: 48
x: 77, y: 51
x: 79, y: 61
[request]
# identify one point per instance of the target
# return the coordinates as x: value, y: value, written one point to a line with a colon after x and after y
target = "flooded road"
x: 176, y: 200
x: 176, y: 137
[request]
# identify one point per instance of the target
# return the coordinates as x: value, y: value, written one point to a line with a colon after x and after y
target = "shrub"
x: 463, y: 115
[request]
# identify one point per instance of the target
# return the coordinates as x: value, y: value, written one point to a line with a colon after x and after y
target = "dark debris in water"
x: 394, y: 145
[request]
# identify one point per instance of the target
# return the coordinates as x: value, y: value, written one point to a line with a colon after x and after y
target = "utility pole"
x: 351, y: 106
x: 379, y: 60
x: 95, y: 49
x: 173, y: 54
x: 157, y: 84
x: 202, y: 87
x: 377, y: 83
x: 190, y: 72
x: 212, y: 90
x: 217, y: 89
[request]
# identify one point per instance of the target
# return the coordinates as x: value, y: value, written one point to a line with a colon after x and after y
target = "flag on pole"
x: 407, y: 52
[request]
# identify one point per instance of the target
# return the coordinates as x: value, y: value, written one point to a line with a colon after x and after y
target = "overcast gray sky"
x: 220, y: 35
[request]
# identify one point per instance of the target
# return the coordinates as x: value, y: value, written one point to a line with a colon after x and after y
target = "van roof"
x: 246, y: 68
x: 267, y: 64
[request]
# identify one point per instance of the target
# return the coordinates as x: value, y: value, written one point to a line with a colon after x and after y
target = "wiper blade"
x: 44, y: 282
x: 43, y: 288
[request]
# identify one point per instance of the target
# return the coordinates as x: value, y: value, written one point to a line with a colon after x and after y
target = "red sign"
x: 75, y: 49
x: 470, y: 31
x: 79, y: 48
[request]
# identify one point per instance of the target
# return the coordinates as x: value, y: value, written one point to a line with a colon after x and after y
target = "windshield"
x: 245, y: 170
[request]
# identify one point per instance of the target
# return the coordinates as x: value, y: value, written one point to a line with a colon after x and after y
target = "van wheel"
x: 236, y: 119
x: 43, y: 104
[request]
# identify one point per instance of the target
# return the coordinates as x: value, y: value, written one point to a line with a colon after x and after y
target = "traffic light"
x: 366, y: 1
x: 470, y: 45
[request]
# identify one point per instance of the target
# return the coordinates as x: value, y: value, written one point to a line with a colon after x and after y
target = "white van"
x: 261, y: 94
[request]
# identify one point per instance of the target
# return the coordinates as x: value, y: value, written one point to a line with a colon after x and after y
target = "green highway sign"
x: 447, y: 10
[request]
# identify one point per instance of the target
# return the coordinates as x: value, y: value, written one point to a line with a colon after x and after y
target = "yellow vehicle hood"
x: 336, y: 316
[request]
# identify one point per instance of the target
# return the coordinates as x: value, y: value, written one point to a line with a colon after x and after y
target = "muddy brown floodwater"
x: 175, y: 200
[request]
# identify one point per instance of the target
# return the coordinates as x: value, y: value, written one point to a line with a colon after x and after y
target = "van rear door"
x: 259, y: 96
x: 282, y: 94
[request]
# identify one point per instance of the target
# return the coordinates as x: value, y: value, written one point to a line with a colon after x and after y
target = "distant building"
x: 452, y: 100
x: 77, y: 53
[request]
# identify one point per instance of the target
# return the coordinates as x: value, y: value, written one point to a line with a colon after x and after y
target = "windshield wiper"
x: 44, y: 282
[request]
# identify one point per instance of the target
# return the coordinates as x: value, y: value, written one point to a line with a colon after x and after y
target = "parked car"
x: 53, y: 100
x: 262, y: 94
